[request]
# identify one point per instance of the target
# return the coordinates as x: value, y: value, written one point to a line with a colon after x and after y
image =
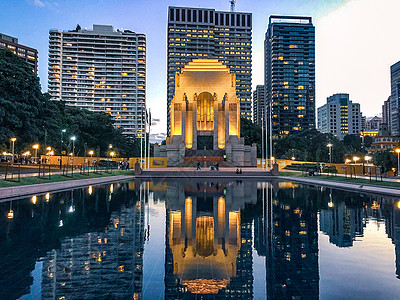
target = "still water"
x: 200, y: 240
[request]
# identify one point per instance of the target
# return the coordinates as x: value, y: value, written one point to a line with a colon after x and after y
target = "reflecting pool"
x: 200, y: 240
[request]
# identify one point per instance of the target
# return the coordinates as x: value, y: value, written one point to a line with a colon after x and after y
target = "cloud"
x: 155, y: 122
x: 38, y: 3
x: 157, y: 137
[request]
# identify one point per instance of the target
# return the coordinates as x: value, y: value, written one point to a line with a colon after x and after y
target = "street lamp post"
x: 13, y: 142
x: 330, y: 152
x: 73, y: 138
x: 91, y: 152
x: 355, y: 158
x: 398, y: 160
x: 61, y: 146
x: 36, y: 147
x: 367, y: 158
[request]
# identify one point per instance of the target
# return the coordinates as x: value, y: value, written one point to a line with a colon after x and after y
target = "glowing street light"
x: 367, y: 158
x: 73, y: 139
x: 112, y: 153
x: 13, y: 142
x: 347, y: 160
x: 91, y: 152
x: 356, y: 158
x: 330, y: 152
x: 10, y: 214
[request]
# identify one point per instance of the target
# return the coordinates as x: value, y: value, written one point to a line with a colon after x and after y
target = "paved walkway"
x: 373, y: 178
x: 25, y: 190
x: 367, y: 188
x: 190, y: 172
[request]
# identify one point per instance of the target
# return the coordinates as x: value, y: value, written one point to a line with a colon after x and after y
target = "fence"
x: 11, y: 170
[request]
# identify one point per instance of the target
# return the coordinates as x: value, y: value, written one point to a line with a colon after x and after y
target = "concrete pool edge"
x: 26, y: 190
x: 365, y: 188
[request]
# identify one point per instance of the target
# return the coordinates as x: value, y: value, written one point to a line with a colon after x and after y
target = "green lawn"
x: 58, y: 178
x: 344, y: 179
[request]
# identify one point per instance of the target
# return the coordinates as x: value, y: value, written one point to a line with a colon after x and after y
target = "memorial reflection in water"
x: 209, y: 240
x: 223, y: 239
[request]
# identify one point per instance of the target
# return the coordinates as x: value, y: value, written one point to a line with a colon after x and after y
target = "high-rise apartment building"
x: 101, y: 70
x: 206, y: 33
x: 290, y: 74
x: 259, y: 105
x: 340, y: 116
x: 395, y: 99
x: 30, y: 55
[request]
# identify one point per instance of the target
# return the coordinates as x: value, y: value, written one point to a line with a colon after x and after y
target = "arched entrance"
x: 205, y: 111
x: 205, y: 121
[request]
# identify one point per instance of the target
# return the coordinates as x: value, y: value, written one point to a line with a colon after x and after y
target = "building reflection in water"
x: 292, y: 242
x: 100, y: 264
x: 209, y: 240
x: 90, y: 242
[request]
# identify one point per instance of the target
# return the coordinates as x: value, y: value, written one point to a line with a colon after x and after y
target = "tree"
x: 30, y: 116
x: 385, y: 159
x: 251, y: 133
x: 310, y: 145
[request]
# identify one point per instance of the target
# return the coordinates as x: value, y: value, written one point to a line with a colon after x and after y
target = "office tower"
x: 101, y: 70
x: 290, y: 74
x: 30, y: 55
x: 206, y: 33
x: 339, y: 116
x: 395, y: 99
x: 259, y: 105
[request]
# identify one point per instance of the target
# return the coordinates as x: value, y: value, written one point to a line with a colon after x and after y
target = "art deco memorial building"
x: 205, y: 116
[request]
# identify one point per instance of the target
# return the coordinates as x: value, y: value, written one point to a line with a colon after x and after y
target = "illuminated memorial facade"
x: 205, y: 116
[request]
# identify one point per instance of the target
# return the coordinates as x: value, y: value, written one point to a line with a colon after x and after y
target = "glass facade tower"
x: 290, y: 74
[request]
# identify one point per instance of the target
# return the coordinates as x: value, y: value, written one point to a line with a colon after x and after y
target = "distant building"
x: 290, y: 74
x: 386, y: 115
x: 384, y: 142
x: 259, y: 105
x: 339, y: 116
x: 363, y: 122
x: 395, y: 99
x: 207, y: 33
x: 101, y: 70
x: 373, y: 123
x: 30, y: 55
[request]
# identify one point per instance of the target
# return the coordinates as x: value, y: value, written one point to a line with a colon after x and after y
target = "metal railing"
x: 11, y: 170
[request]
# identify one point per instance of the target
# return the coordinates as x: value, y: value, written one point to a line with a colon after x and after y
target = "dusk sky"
x: 356, y: 40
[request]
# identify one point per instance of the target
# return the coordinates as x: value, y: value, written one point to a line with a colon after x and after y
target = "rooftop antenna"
x: 232, y: 2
